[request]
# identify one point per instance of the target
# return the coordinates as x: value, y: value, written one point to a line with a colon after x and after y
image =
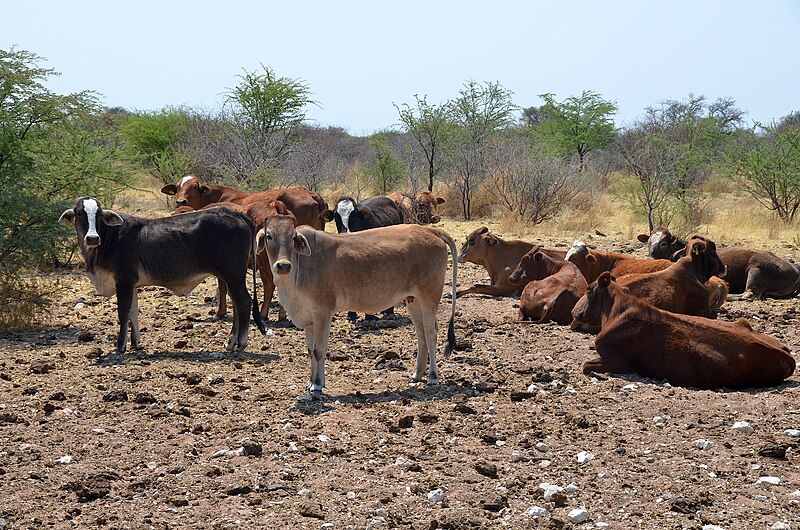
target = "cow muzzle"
x: 181, y: 202
x: 91, y: 241
x: 435, y: 219
x: 283, y: 267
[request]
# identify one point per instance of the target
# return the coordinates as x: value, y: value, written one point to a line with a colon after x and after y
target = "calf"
x: 307, y: 206
x: 636, y: 337
x: 124, y: 252
x: 499, y: 257
x: 680, y: 288
x: 373, y: 212
x: 553, y: 287
x: 592, y: 262
x: 751, y: 273
x: 318, y: 274
x: 420, y: 210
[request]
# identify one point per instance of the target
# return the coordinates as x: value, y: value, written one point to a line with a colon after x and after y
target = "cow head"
x: 705, y: 260
x: 349, y: 216
x: 580, y: 254
x: 597, y: 300
x: 90, y: 221
x: 477, y: 245
x: 282, y: 242
x: 191, y: 192
x: 662, y: 244
x: 532, y: 266
x: 425, y: 207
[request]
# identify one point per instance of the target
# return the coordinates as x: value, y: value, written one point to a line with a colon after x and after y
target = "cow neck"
x: 687, y: 265
x: 615, y: 303
x: 95, y: 256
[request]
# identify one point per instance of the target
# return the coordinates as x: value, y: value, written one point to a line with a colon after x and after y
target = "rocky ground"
x: 181, y: 435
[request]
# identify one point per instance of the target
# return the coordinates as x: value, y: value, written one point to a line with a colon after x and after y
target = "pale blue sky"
x: 360, y: 57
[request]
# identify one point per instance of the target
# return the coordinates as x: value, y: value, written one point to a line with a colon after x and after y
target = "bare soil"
x: 181, y: 435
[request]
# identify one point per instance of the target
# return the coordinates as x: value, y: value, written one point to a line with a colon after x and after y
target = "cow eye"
x: 471, y: 242
x: 269, y: 236
x: 663, y: 243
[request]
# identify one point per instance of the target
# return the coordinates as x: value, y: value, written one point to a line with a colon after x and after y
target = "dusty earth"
x: 180, y: 435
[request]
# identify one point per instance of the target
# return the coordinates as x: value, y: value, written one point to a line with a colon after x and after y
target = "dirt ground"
x: 181, y: 435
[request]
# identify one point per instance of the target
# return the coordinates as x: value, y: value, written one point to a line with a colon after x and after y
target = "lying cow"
x: 553, y: 287
x: 386, y: 266
x: 499, y: 257
x: 751, y: 273
x: 304, y: 204
x: 124, y: 252
x: 258, y: 212
x: 636, y: 337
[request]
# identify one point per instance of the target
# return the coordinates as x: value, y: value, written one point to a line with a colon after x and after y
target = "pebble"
x: 743, y: 427
x: 351, y: 495
x: 600, y: 524
x: 794, y: 433
x: 712, y: 527
x: 323, y: 438
x: 545, y: 463
x: 780, y: 525
x: 704, y: 444
x: 436, y: 495
x: 536, y: 511
x: 327, y: 525
x: 305, y: 492
x: 578, y: 515
x: 661, y: 420
x: 630, y: 386
x: 78, y: 306
x: 375, y: 523
x: 216, y: 355
x: 550, y: 490
x: 228, y: 452
x: 571, y: 488
x: 66, y: 459
x: 542, y: 447
x: 771, y: 481
x: 585, y: 456
x: 292, y: 447
x: 380, y: 512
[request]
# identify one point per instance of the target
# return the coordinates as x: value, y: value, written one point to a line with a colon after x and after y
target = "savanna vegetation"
x: 482, y: 150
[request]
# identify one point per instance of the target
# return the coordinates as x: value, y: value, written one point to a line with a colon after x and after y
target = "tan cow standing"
x: 318, y: 274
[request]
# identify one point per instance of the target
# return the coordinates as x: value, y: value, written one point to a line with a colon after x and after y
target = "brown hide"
x: 636, y: 337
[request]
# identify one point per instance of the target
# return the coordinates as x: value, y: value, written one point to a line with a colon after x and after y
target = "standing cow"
x: 124, y: 252
x: 318, y: 274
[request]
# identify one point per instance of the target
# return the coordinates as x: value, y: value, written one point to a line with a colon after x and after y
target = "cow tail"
x: 256, y: 312
x: 451, y: 330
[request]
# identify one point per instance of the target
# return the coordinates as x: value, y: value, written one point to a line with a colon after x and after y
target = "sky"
x: 360, y: 57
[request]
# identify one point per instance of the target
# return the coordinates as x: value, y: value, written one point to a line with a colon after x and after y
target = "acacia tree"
x: 480, y: 111
x: 157, y: 136
x: 577, y: 125
x: 429, y: 125
x: 387, y: 169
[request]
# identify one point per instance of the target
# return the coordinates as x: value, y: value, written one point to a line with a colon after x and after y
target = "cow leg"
x: 241, y: 316
x: 492, y: 290
x: 136, y: 338
x: 425, y: 326
x: 125, y: 295
x: 317, y: 341
x: 594, y: 365
x: 269, y: 290
x: 222, y: 300
x: 415, y: 312
x: 352, y: 317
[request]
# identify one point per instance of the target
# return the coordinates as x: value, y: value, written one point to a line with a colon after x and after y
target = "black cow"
x: 124, y: 252
x: 370, y: 213
x: 373, y: 212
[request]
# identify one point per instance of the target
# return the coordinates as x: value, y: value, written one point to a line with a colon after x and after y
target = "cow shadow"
x: 753, y: 391
x: 201, y: 356
x: 313, y: 406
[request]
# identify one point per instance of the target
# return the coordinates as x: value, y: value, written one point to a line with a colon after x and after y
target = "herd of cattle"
x: 654, y: 317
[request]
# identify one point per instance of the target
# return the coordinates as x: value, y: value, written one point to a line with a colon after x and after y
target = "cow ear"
x: 538, y: 256
x: 489, y: 240
x: 643, y: 238
x: 280, y: 207
x: 698, y: 248
x: 301, y: 245
x: 365, y: 213
x: 112, y: 218
x: 261, y: 242
x: 202, y: 188
x: 170, y: 189
x: 67, y: 217
x: 326, y: 216
x: 604, y: 280
x: 483, y: 230
x: 440, y: 200
x: 673, y: 240
x: 590, y: 258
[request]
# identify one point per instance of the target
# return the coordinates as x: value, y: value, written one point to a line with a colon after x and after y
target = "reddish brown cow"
x: 636, y: 337
x: 553, y: 287
x: 421, y: 210
x: 500, y: 257
x: 305, y: 205
x: 680, y: 288
x: 258, y: 212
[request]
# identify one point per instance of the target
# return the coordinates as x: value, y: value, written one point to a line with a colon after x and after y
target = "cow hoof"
x: 370, y: 318
x: 414, y: 379
x: 433, y: 382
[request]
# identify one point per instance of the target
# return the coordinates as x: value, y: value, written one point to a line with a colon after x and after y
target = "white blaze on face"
x: 578, y: 246
x: 344, y: 209
x: 655, y: 239
x: 91, y: 207
x: 184, y: 180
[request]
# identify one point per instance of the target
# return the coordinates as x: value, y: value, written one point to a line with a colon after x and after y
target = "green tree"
x: 429, y: 125
x: 575, y: 126
x: 387, y: 170
x: 157, y: 135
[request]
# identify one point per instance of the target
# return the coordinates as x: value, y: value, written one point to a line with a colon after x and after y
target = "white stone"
x: 795, y: 493
x: 600, y: 524
x: 794, y: 433
x: 661, y: 420
x: 545, y: 463
x: 585, y: 456
x: 152, y: 465
x: 769, y: 481
x: 305, y: 492
x: 536, y: 511
x: 287, y: 426
x: 532, y: 388
x: 323, y: 438
x: 743, y: 427
x: 375, y: 523
x: 380, y: 512
x: 351, y: 495
x: 761, y: 497
x: 704, y: 444
x: 402, y: 463
x: 436, y: 495
x: 327, y: 525
x: 571, y: 488
x: 551, y: 490
x: 292, y: 447
x: 780, y: 525
x: 631, y: 387
x: 542, y: 447
x: 66, y: 459
x: 712, y: 527
x: 578, y: 515
x: 216, y: 355
x: 225, y: 452
x: 78, y: 306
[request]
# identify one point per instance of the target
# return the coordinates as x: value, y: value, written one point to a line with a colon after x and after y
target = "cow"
x: 318, y: 274
x: 499, y: 257
x: 420, y: 210
x: 304, y: 204
x: 752, y: 274
x: 592, y: 262
x: 637, y: 337
x: 373, y: 212
x: 680, y: 288
x: 258, y: 213
x: 123, y: 252
x: 553, y: 287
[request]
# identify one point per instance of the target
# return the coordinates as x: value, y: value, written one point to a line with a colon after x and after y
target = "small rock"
x: 376, y: 523
x: 486, y: 469
x: 703, y: 444
x: 115, y: 395
x: 41, y: 367
x: 351, y: 495
x: 194, y: 379
x: 773, y: 450
x: 585, y: 456
x: 542, y: 447
x: 436, y: 495
x: 794, y: 433
x: 578, y: 515
x: 712, y: 527
x: 536, y: 511
x: 769, y: 481
x: 571, y: 488
x: 601, y: 524
x: 308, y: 508
x: 216, y: 355
x: 684, y: 505
x: 323, y: 438
x: 495, y: 504
x: 559, y: 499
x: 743, y: 427
x: 550, y: 490
x: 305, y: 492
x: 144, y: 398
x: 780, y: 525
x: 630, y: 387
x: 180, y: 344
x: 228, y: 452
x: 66, y: 459
x: 406, y: 422
x: 238, y: 489
x: 252, y: 448
x: 79, y: 306
x: 217, y: 380
x: 85, y: 336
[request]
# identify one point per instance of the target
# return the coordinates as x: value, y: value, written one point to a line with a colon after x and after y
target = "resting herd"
x: 654, y: 317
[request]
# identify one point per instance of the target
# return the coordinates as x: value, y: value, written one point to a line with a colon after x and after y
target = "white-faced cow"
x: 373, y: 212
x: 124, y: 252
x: 318, y: 274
